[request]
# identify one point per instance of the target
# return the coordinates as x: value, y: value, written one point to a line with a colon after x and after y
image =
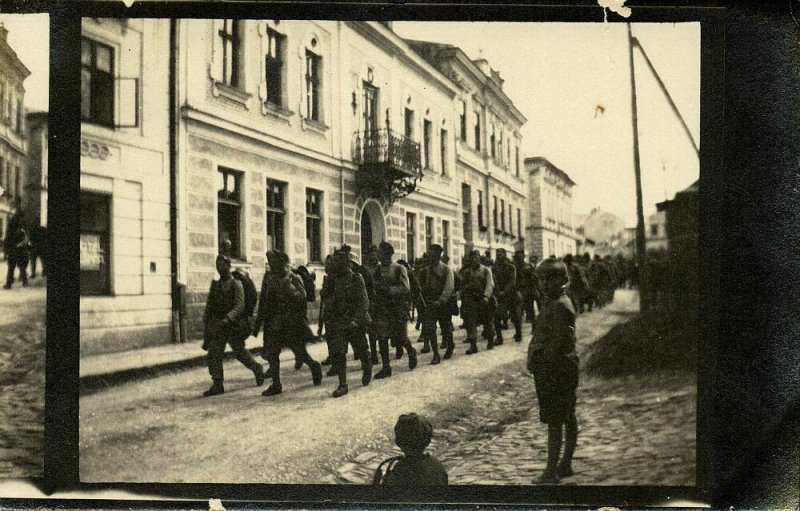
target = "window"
x: 426, y: 143
x: 481, y: 223
x: 508, y: 153
x: 466, y: 211
x: 18, y: 183
x: 494, y: 213
x: 654, y: 230
x: 14, y: 116
x: 411, y: 221
x: 519, y: 222
x: 477, y: 131
x: 551, y: 245
x: 492, y: 140
x: 276, y: 215
x: 2, y: 101
x: 20, y: 116
x: 229, y: 208
x: 97, y: 82
x: 231, y: 52
x: 370, y: 108
x: 314, y: 225
x: 462, y: 118
x: 409, y: 123
x: 443, y: 150
x: 3, y: 176
x: 446, y: 237
x: 516, y: 160
x: 503, y: 215
x: 313, y: 66
x: 510, y: 220
x: 273, y: 65
x: 428, y: 232
x: 10, y: 180
x: 95, y: 232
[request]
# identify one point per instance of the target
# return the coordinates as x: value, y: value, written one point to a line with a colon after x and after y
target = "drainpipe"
x: 178, y: 298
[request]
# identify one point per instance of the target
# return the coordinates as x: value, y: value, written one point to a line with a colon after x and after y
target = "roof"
x: 692, y: 189
x: 540, y: 160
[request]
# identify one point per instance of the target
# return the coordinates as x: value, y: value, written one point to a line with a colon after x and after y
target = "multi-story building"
x: 34, y: 200
x: 125, y: 258
x: 550, y: 209
x: 656, y: 231
x: 12, y: 131
x: 298, y: 136
x: 488, y: 167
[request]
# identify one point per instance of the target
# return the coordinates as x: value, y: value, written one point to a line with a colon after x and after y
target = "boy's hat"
x: 412, y: 432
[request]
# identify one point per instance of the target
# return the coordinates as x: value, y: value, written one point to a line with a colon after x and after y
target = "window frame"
x: 481, y: 221
x: 411, y: 233
x: 274, y: 89
x: 107, y: 80
x: 104, y: 235
x: 275, y: 212
x: 463, y: 120
x: 427, y: 135
x: 428, y: 232
x: 443, y: 150
x: 231, y: 40
x: 234, y: 203
x: 314, y: 230
x: 446, y: 237
x: 477, y: 131
x: 313, y: 81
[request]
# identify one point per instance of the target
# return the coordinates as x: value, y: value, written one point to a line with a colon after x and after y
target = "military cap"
x: 412, y: 432
x: 552, y: 266
x: 353, y: 258
x: 386, y: 247
x: 225, y: 258
x: 436, y: 248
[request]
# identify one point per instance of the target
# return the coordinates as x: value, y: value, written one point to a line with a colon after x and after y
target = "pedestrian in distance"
x: 415, y: 467
x: 527, y: 284
x: 15, y: 246
x: 38, y: 249
x: 509, y: 301
x: 225, y: 323
x: 392, y: 298
x: 348, y: 317
x: 282, y: 311
x: 437, y: 283
x: 553, y: 360
x: 477, y: 302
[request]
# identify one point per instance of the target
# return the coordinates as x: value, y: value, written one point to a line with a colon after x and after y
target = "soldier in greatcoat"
x: 282, y: 311
x: 15, y: 246
x: 392, y: 298
x: 225, y: 323
x: 508, y: 299
x: 526, y: 284
x: 477, y: 301
x: 436, y: 284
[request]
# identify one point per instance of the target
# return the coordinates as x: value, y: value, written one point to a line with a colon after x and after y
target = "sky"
x: 29, y: 37
x: 557, y: 74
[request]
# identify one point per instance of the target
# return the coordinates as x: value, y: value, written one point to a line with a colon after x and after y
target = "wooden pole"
x: 641, y: 256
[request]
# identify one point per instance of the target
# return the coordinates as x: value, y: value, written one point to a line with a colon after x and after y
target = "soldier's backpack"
x: 250, y: 293
x: 309, y: 282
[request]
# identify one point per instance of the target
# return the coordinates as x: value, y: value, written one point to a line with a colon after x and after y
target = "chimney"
x: 3, y: 34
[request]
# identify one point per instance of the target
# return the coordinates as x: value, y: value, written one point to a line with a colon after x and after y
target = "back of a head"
x: 413, y: 433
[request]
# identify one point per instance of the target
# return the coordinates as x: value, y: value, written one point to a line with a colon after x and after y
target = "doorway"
x: 372, y: 227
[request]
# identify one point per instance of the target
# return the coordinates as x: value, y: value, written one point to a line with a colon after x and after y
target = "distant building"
x: 34, y: 201
x: 656, y: 231
x: 681, y: 218
x: 583, y: 245
x: 550, y: 230
x: 603, y: 227
x: 12, y: 131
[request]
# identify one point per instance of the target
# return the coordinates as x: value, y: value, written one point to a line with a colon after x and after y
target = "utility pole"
x: 641, y: 256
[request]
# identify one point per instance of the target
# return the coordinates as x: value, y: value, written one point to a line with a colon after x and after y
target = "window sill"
x: 315, y: 126
x: 232, y: 93
x: 277, y: 112
x: 483, y: 228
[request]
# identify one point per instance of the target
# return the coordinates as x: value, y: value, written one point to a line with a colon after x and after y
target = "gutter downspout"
x: 173, y: 170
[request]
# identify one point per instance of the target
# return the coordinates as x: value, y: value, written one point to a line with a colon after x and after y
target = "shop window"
x: 276, y: 215
x: 229, y: 210
x: 97, y: 82
x: 95, y: 224
x: 313, y: 67
x: 274, y: 67
x: 314, y: 225
x: 231, y: 52
x: 428, y: 232
x: 411, y: 232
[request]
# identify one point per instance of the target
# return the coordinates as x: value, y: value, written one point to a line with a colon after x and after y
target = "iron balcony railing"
x: 387, y: 147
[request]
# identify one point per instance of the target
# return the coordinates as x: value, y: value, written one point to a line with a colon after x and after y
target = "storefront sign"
x: 92, y: 255
x: 95, y: 150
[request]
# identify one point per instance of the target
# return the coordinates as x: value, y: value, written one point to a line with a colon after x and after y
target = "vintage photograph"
x: 403, y: 253
x: 24, y: 87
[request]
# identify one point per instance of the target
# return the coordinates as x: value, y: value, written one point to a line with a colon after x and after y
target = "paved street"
x: 22, y: 370
x: 482, y: 407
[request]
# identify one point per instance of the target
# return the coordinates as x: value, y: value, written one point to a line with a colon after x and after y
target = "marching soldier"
x: 15, y: 246
x: 436, y: 282
x: 282, y: 310
x: 526, y: 284
x: 225, y: 323
x: 578, y: 283
x: 392, y: 290
x: 347, y: 319
x: 477, y: 300
x: 553, y: 360
x: 508, y: 300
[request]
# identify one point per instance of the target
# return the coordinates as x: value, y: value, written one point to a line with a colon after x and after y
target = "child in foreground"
x: 416, y: 467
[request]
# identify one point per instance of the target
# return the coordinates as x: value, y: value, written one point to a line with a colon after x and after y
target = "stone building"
x: 550, y: 230
x: 12, y: 131
x: 125, y: 261
x: 34, y: 201
x: 656, y: 231
x: 291, y: 135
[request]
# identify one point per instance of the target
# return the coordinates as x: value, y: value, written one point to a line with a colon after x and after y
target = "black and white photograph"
x: 24, y: 86
x: 404, y: 253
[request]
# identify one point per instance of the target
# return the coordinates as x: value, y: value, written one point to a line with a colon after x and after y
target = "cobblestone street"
x: 22, y: 375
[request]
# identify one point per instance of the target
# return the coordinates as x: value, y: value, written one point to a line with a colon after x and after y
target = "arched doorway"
x: 372, y: 227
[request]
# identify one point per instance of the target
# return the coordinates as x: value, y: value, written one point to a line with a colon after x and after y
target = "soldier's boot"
x: 412, y: 356
x: 275, y: 370
x: 473, y: 346
x: 386, y: 370
x: 273, y: 390
x: 333, y: 371
x: 366, y: 371
x: 258, y: 372
x: 399, y: 352
x: 316, y: 372
x: 435, y: 345
x: 216, y: 389
x: 518, y: 331
x: 426, y: 348
x: 490, y: 343
x: 340, y: 391
x: 373, y: 350
x: 447, y: 341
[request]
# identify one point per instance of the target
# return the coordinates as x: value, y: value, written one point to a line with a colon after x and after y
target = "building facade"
x: 12, y: 131
x: 550, y: 210
x: 125, y: 258
x: 34, y: 200
x: 294, y: 135
x: 656, y: 231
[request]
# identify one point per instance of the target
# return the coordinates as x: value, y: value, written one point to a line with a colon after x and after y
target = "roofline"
x: 548, y: 163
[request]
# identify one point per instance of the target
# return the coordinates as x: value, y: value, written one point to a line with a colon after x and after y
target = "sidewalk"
x: 104, y: 370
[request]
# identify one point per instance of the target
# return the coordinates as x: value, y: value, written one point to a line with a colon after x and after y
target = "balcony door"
x: 370, y: 108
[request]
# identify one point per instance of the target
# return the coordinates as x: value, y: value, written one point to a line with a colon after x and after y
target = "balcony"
x: 388, y: 164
